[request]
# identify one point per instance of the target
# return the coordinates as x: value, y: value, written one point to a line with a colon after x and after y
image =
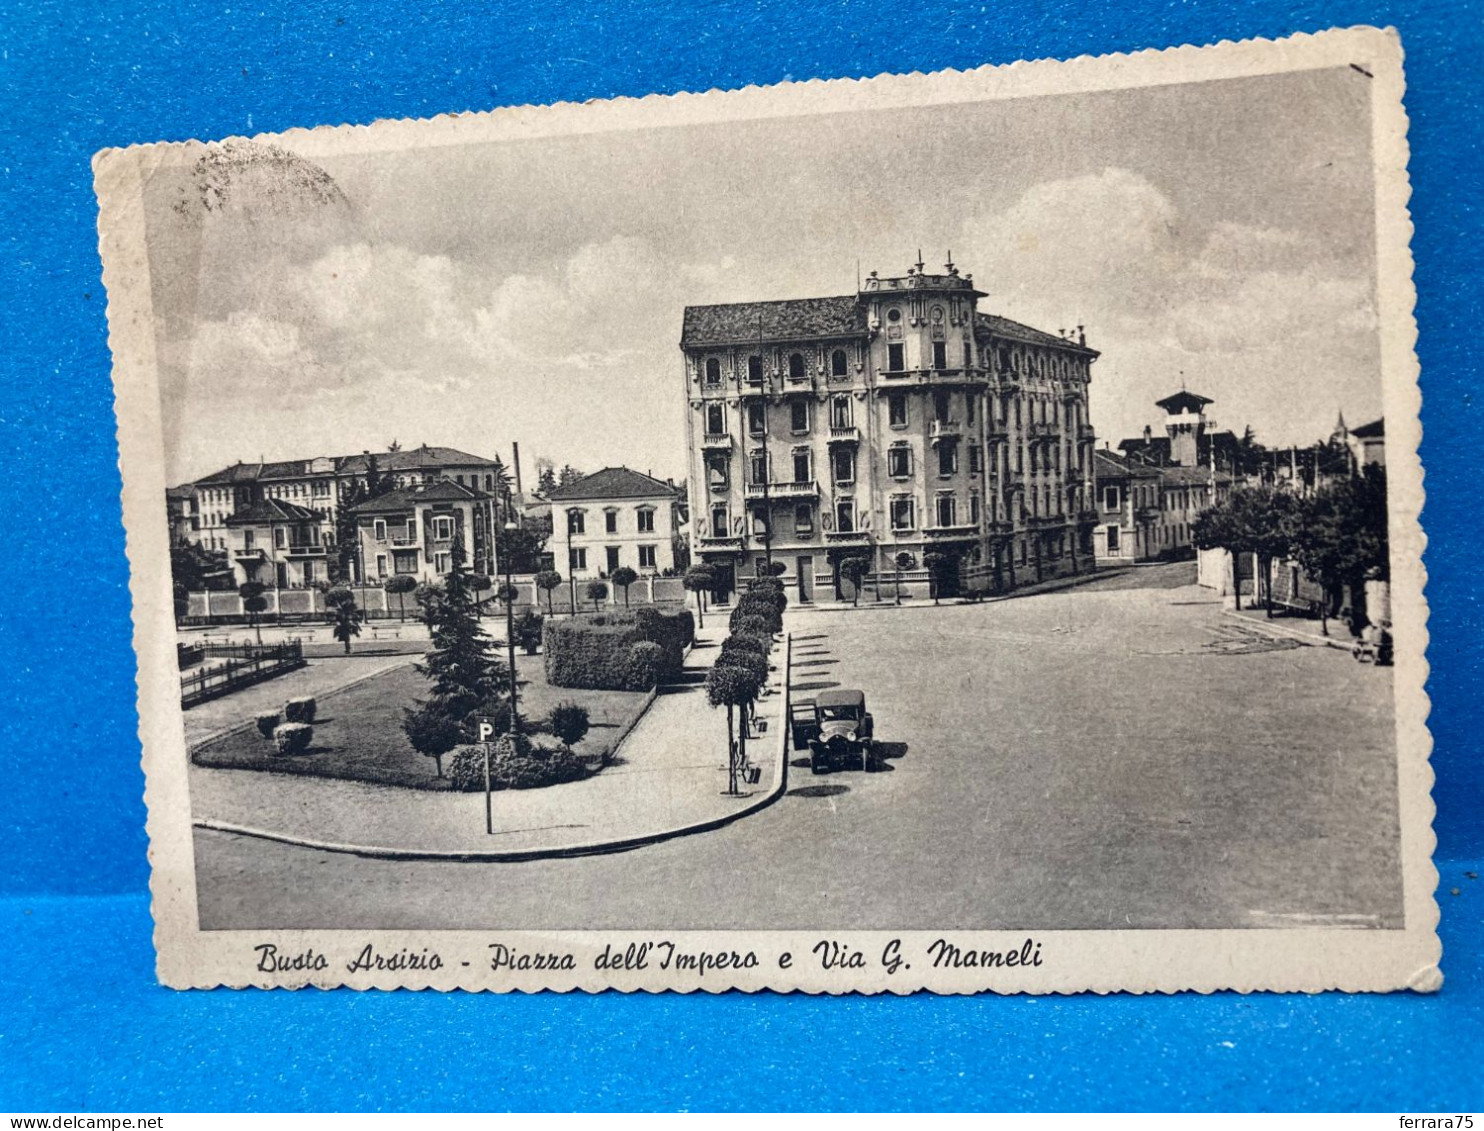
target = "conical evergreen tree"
x: 460, y: 663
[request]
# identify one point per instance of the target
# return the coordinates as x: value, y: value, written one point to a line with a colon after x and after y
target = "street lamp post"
x: 510, y: 526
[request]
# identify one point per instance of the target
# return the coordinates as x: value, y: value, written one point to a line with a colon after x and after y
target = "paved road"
x: 1116, y: 755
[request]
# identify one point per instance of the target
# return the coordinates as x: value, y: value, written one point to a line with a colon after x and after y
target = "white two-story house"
x: 615, y: 517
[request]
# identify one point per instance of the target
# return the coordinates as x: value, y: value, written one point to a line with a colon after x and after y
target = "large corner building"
x: 890, y: 424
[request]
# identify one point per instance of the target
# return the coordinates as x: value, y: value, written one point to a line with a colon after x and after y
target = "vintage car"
x: 836, y: 728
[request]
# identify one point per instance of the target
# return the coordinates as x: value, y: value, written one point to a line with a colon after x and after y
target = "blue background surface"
x: 82, y: 1025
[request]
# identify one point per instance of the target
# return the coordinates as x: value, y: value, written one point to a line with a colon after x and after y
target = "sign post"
x: 485, y: 725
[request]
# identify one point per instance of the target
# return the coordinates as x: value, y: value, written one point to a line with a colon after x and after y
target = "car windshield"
x: 837, y: 714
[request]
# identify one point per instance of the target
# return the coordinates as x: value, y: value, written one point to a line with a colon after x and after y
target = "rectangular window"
x: 321, y: 489
x: 440, y: 562
x: 803, y: 473
x: 405, y: 561
x: 896, y: 357
x: 947, y: 511
x: 1110, y: 498
x: 247, y: 540
x: 576, y: 522
x: 798, y: 416
x: 611, y: 552
x: 442, y: 530
x: 903, y: 515
x: 378, y: 529
x: 845, y: 516
x: 719, y: 522
x: 646, y: 557
x: 577, y: 558
x: 715, y: 420
x: 976, y: 462
x: 758, y: 466
x: 804, y: 519
x: 756, y: 417
x: 843, y: 462
x: 380, y: 565
x: 947, y: 459
x: 970, y: 400
x: 898, y: 410
x: 646, y: 521
x: 899, y: 462
x: 974, y: 510
x: 280, y: 537
x: 940, y: 355
x: 840, y: 415
x: 610, y: 522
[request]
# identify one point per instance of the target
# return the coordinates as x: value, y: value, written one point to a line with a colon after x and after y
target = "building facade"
x: 280, y: 545
x: 413, y: 530
x: 890, y: 424
x: 325, y: 484
x: 616, y: 517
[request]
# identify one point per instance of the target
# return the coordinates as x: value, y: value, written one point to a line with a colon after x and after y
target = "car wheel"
x: 816, y: 762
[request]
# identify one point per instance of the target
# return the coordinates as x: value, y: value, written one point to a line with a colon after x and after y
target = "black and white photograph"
x: 951, y: 532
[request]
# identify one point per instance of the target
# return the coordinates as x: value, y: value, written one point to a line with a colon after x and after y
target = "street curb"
x: 1288, y: 633
x: 556, y: 852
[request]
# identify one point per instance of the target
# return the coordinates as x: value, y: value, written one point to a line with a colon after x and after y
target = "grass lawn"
x: 358, y: 732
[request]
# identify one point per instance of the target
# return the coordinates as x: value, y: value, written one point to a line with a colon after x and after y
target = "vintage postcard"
x: 950, y: 532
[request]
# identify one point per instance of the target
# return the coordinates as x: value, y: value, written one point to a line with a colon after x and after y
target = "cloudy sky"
x: 1216, y: 235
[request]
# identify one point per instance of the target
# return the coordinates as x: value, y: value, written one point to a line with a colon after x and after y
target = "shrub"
x: 299, y: 710
x: 596, y: 591
x: 432, y: 730
x: 760, y: 609
x: 752, y: 625
x: 528, y: 630
x: 645, y: 661
x: 292, y: 738
x: 746, y: 642
x: 267, y: 724
x: 592, y: 650
x: 516, y: 762
x: 569, y: 722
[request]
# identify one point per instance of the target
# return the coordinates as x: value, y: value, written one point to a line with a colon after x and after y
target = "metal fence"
x: 242, y: 664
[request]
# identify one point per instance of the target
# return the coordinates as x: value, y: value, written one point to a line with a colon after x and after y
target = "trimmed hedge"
x: 292, y: 738
x: 516, y: 762
x: 267, y: 724
x: 300, y: 710
x: 599, y: 651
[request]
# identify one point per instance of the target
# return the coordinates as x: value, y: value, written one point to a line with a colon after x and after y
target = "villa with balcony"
x: 414, y: 531
x: 278, y: 544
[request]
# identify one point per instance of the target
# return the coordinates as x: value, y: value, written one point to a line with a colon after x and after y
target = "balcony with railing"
x: 1043, y: 430
x: 844, y: 434
x: 1085, y: 432
x: 717, y: 442
x: 805, y: 489
x: 712, y: 540
x: 954, y: 378
x: 950, y: 533
x: 848, y: 537
x: 945, y: 430
x: 305, y: 550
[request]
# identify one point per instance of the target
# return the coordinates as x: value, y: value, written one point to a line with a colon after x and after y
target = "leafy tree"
x: 568, y: 476
x: 507, y: 594
x: 596, y: 591
x: 546, y: 480
x: 431, y: 731
x: 428, y: 595
x: 698, y: 579
x: 623, y: 577
x: 548, y: 580
x: 1339, y: 535
x: 253, y: 603
x: 1250, y: 520
x: 731, y: 686
x: 569, y: 722
x: 342, y: 602
x: 401, y: 584
x: 522, y: 545
x: 854, y: 569
x: 776, y: 569
x: 1248, y: 454
x: 395, y: 446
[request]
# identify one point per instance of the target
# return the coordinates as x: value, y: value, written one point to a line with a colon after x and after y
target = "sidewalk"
x: 668, y: 779
x: 889, y: 601
x: 1302, y: 629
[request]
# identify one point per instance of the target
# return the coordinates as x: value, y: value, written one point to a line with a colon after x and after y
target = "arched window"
x: 755, y: 369
x: 713, y: 371
x: 796, y: 366
x: 838, y: 363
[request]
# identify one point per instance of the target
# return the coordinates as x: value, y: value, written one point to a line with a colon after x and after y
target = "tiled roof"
x: 1375, y: 429
x: 413, y: 459
x: 1111, y: 465
x: 1000, y: 327
x: 738, y: 323
x: 185, y: 491
x: 405, y: 498
x: 613, y: 483
x: 1183, y: 401
x: 272, y: 510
